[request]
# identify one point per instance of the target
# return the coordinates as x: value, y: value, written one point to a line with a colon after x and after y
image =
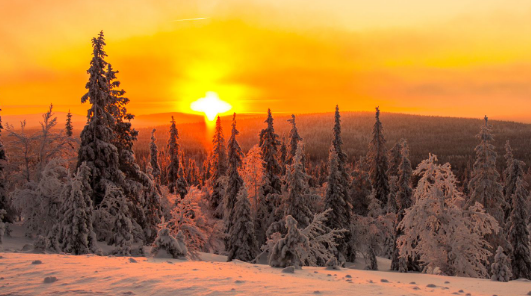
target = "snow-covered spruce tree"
x: 296, y: 203
x: 218, y: 168
x: 166, y: 245
x: 241, y: 240
x: 284, y: 252
x: 448, y: 239
x: 294, y: 139
x: 74, y: 233
x: 360, y: 188
x: 404, y: 200
x: 337, y: 194
x: 5, y: 201
x: 181, y: 186
x: 68, y: 126
x: 395, y: 157
x: 336, y: 200
x: 283, y: 156
x: 377, y: 158
x: 252, y: 172
x: 187, y: 217
x: 174, y: 154
x: 518, y: 232
x: 116, y: 217
x: 271, y: 184
x: 139, y: 187
x: 97, y: 149
x: 2, y: 225
x: 484, y: 186
x: 514, y: 170
x: 154, y: 157
x: 321, y: 245
x: 501, y: 268
x: 235, y: 182
x: 39, y: 202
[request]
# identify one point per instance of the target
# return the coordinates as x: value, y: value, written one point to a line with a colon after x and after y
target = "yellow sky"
x: 453, y: 57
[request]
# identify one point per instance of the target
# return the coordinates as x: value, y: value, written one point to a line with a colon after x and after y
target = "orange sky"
x: 441, y: 57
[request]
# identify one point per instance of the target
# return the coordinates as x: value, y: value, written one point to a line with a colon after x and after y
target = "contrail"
x: 192, y: 19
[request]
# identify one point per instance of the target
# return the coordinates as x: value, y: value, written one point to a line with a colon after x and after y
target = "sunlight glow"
x: 211, y: 105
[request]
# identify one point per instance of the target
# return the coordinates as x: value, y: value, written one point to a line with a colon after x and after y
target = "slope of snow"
x: 24, y: 273
x: 91, y: 274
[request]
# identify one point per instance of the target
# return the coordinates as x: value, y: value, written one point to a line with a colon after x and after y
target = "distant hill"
x: 451, y: 139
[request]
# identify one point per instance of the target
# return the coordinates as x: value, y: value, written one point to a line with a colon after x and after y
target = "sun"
x: 211, y: 105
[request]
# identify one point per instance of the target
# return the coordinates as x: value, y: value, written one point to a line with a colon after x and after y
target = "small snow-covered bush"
x: 174, y: 247
x: 501, y: 268
x: 284, y: 252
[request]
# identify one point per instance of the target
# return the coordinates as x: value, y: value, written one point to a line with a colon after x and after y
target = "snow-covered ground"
x: 26, y: 273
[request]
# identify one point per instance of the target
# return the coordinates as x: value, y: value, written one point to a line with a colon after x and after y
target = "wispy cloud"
x: 191, y: 19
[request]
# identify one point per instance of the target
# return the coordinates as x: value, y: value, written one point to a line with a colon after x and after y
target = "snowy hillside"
x: 27, y: 273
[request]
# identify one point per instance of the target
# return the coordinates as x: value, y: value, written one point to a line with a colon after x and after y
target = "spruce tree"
x: 297, y: 202
x: 484, y: 186
x: 174, y: 153
x: 518, y: 232
x: 5, y: 202
x: 336, y: 200
x: 395, y: 158
x: 294, y: 139
x: 269, y: 144
x: 514, y: 170
x: 181, y: 186
x: 97, y: 149
x: 242, y: 243
x: 235, y: 181
x: 154, y: 157
x: 337, y: 197
x: 284, y: 252
x: 218, y: 168
x: 501, y: 268
x: 377, y: 158
x: 283, y: 157
x: 139, y: 188
x: 360, y: 188
x: 271, y: 184
x: 75, y: 232
x: 404, y: 200
x: 68, y: 127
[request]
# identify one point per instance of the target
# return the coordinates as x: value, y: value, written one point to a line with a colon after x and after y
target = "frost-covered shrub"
x: 437, y: 229
x: 284, y: 252
x: 201, y: 233
x: 165, y: 245
x: 501, y: 268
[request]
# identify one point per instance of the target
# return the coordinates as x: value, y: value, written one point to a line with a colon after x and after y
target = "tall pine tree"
x: 235, y: 181
x: 218, y: 168
x: 242, y: 243
x: 5, y: 202
x: 68, y: 127
x: 484, y: 185
x: 97, y: 149
x: 297, y: 202
x: 404, y: 200
x: 294, y: 139
x: 174, y: 154
x: 271, y: 184
x: 518, y: 232
x: 337, y: 194
x: 377, y: 158
x: 154, y: 157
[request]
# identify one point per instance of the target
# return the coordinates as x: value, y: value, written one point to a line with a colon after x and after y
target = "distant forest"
x: 451, y: 139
